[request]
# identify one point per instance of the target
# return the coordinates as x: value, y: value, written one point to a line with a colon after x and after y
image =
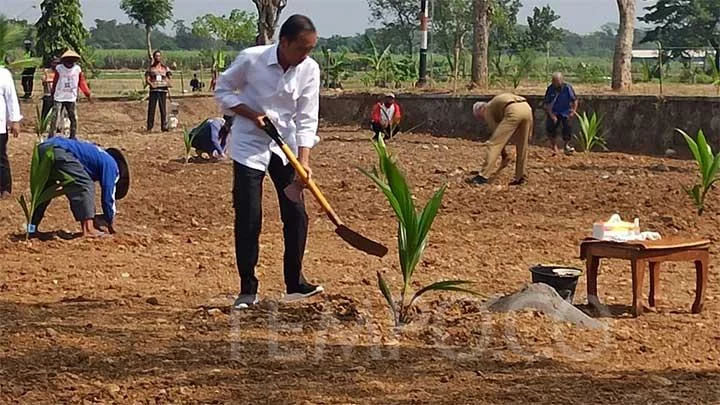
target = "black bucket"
x: 563, y: 279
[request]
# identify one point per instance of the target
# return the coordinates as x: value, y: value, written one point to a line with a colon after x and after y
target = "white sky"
x: 344, y: 17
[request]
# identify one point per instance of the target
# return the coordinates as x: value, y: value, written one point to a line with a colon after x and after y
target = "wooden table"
x: 644, y: 254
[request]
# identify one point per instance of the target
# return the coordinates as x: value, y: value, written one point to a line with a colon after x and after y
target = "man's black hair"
x: 296, y: 25
x: 156, y: 52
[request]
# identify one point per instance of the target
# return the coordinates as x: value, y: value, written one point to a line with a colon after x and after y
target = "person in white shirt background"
x: 280, y: 82
x: 9, y: 123
x: 69, y: 78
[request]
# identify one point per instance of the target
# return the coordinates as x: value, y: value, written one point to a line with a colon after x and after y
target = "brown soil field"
x: 143, y: 317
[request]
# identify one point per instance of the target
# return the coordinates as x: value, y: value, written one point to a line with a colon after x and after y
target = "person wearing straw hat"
x: 69, y: 78
x: 386, y: 117
x: 510, y: 119
x: 87, y: 163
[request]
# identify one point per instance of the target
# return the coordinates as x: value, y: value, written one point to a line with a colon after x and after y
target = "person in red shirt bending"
x: 386, y: 117
x: 68, y: 80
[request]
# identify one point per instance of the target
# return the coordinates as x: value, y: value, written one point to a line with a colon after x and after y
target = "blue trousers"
x: 552, y: 127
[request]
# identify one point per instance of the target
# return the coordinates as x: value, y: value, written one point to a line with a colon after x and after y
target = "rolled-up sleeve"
x: 308, y: 106
x: 230, y: 81
x: 11, y: 101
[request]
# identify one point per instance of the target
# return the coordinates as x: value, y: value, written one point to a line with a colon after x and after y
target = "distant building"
x: 697, y: 56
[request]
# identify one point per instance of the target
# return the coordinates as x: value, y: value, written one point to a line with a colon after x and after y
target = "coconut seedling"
x: 189, y: 137
x: 42, y: 188
x: 42, y: 124
x: 590, y: 135
x: 413, y: 232
x: 708, y: 165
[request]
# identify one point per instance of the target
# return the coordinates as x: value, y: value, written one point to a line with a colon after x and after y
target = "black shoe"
x: 477, y: 180
x: 302, y: 292
x: 517, y: 182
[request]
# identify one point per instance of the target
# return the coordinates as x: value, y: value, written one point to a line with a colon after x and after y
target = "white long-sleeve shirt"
x: 291, y: 99
x: 9, y: 106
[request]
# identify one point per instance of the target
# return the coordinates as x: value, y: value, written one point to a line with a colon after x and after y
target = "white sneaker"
x: 244, y: 301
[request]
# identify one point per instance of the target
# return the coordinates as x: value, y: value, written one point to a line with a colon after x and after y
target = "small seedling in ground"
x: 42, y: 124
x: 413, y: 231
x: 590, y: 133
x: 40, y: 190
x: 708, y: 165
x: 189, y: 137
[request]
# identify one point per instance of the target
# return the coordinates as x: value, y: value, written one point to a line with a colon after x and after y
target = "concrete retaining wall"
x: 640, y: 124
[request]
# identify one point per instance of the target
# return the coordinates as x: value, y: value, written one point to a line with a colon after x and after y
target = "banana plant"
x: 9, y: 35
x: 714, y: 73
x: 335, y: 68
x: 189, y: 137
x: 590, y: 133
x: 523, y: 66
x: 42, y: 187
x: 403, y: 70
x: 413, y: 232
x: 378, y: 65
x: 708, y: 164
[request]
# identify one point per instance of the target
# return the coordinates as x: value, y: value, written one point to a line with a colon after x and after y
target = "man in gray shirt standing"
x: 280, y: 82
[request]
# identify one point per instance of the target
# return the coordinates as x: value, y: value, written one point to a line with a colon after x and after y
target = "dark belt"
x: 513, y: 102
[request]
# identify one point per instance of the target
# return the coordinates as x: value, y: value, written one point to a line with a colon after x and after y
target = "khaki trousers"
x: 516, y: 127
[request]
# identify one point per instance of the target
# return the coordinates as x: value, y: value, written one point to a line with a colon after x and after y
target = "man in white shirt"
x: 280, y: 82
x: 9, y: 123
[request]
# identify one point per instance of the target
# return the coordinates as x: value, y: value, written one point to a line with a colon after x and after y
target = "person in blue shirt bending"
x: 561, y: 105
x: 87, y: 163
x: 210, y: 137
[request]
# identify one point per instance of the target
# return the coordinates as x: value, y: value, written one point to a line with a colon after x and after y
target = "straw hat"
x: 123, y: 184
x: 391, y: 95
x: 70, y: 54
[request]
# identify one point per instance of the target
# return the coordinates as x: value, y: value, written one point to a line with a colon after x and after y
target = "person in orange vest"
x: 69, y: 78
x: 386, y: 117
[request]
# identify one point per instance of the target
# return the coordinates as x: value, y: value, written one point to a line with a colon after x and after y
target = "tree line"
x: 487, y: 30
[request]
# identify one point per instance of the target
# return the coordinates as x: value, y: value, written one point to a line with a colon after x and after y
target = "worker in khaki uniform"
x: 510, y: 120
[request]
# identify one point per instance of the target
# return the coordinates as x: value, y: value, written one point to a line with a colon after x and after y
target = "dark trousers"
x: 5, y: 175
x: 157, y: 99
x: 47, y: 106
x: 70, y: 108
x: 247, y: 200
x: 28, y: 76
x: 80, y: 193
x: 552, y: 127
x: 378, y: 128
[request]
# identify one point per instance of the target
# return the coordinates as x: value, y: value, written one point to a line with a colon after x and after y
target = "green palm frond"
x: 413, y: 230
x: 708, y: 167
x: 590, y: 136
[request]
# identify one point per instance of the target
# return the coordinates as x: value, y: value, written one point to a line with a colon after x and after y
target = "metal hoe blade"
x: 360, y: 242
